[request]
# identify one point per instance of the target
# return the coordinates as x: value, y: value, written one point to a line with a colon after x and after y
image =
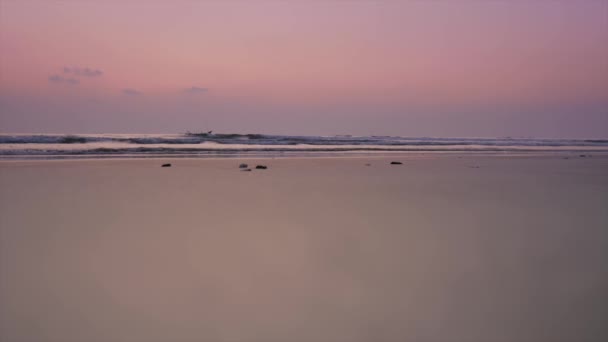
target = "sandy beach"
x: 445, y: 247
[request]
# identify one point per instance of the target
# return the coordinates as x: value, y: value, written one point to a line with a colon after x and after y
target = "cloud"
x: 131, y: 92
x: 63, y: 80
x: 85, y: 72
x: 196, y: 90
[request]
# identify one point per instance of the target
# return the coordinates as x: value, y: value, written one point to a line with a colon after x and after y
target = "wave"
x: 99, y: 144
x: 262, y: 139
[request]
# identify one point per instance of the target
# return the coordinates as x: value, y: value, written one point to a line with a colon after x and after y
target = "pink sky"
x: 418, y: 68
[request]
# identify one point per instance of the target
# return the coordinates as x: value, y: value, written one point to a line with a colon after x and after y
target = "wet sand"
x: 442, y: 248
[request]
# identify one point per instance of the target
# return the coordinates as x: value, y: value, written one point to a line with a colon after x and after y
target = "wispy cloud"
x: 58, y: 79
x: 196, y: 90
x: 84, y: 72
x: 131, y: 92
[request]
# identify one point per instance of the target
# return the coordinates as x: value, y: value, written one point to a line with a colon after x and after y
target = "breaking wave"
x: 209, y: 143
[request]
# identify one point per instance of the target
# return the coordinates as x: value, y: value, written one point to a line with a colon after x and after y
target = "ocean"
x: 15, y: 146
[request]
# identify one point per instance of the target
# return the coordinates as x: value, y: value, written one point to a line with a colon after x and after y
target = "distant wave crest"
x: 92, y: 144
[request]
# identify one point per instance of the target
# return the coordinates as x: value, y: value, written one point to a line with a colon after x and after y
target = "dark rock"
x: 261, y: 167
x: 368, y: 164
x: 243, y: 166
x: 246, y: 170
x: 582, y: 155
x: 396, y: 163
x: 166, y: 165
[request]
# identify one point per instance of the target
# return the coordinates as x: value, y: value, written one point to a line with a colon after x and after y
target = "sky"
x: 412, y: 68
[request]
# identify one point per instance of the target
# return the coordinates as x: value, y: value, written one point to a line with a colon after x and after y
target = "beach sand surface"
x: 442, y: 248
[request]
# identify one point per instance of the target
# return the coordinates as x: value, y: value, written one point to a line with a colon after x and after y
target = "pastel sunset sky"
x: 411, y: 68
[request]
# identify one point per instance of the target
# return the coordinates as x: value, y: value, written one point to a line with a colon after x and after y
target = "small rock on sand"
x: 246, y: 170
x: 243, y: 166
x: 166, y: 165
x: 368, y: 164
x: 396, y: 163
x: 261, y: 167
x: 582, y: 155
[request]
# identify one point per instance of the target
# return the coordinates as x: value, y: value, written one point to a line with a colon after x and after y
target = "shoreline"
x: 206, y: 145
x: 307, y: 154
